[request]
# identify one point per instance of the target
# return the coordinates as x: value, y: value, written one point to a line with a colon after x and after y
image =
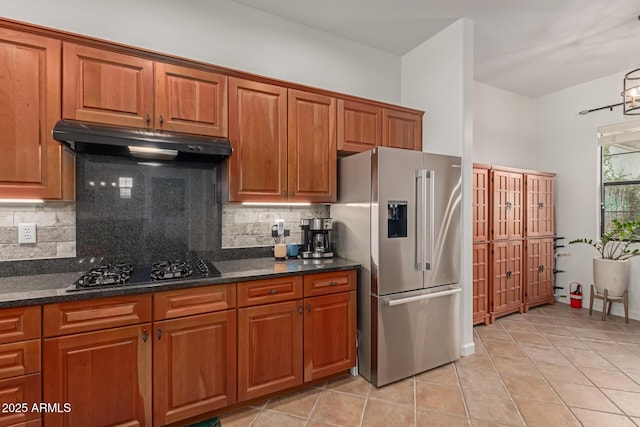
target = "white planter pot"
x: 612, y: 275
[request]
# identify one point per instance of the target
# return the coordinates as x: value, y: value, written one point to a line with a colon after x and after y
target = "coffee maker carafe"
x: 316, y: 238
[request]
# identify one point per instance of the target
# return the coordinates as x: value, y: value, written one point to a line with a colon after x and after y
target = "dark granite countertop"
x: 18, y: 291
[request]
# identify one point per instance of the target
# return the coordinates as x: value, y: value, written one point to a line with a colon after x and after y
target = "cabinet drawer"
x: 269, y: 290
x: 185, y: 302
x: 19, y: 358
x: 91, y: 315
x: 18, y: 324
x: 329, y: 283
x: 21, y: 390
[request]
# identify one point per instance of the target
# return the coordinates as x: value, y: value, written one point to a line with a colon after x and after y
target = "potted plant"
x: 611, y: 268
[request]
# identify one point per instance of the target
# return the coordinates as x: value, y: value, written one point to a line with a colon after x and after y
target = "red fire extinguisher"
x: 575, y: 294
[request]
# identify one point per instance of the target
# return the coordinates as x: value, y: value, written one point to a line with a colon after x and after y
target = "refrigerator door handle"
x: 421, y: 218
x: 431, y: 176
x: 423, y: 297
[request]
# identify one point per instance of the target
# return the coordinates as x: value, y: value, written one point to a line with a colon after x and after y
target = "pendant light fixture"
x: 631, y: 93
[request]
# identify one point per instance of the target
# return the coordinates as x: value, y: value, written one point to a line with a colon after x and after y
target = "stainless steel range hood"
x: 84, y: 137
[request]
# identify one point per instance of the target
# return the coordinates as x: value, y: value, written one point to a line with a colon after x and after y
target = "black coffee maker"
x: 316, y: 238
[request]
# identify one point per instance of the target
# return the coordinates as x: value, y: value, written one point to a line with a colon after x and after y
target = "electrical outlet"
x: 26, y: 233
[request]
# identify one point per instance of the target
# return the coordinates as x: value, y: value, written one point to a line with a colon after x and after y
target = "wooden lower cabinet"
x: 329, y: 334
x: 480, y: 283
x: 194, y: 366
x: 269, y: 348
x: 506, y: 278
x: 23, y: 391
x: 105, y: 376
x: 539, y: 268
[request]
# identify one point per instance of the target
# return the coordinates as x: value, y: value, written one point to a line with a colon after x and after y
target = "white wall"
x: 502, y: 128
x: 437, y: 77
x: 566, y: 143
x: 226, y: 34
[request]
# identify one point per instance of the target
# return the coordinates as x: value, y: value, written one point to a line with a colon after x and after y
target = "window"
x: 620, y: 182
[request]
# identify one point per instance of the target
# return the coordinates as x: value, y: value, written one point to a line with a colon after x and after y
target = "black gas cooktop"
x: 122, y: 274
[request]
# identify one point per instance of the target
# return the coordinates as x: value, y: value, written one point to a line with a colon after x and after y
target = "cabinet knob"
x: 148, y: 119
x: 309, y: 308
x: 145, y: 335
x: 273, y: 291
x: 161, y: 120
x: 333, y: 284
x: 159, y: 333
x: 300, y: 309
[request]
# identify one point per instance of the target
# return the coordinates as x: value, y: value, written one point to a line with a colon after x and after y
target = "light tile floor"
x: 553, y: 366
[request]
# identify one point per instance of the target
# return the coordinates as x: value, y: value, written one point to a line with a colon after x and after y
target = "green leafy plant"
x: 614, y: 243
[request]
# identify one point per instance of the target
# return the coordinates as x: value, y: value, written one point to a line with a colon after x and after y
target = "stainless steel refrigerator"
x: 398, y: 214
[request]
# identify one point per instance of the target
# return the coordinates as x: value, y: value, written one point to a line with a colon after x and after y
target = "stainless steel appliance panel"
x: 442, y: 208
x: 353, y: 240
x: 396, y: 181
x: 416, y: 331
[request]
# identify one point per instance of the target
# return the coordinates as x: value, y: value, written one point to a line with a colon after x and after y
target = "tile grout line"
x: 570, y: 408
x: 489, y: 356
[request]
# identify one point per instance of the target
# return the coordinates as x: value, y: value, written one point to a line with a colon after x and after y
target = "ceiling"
x: 530, y: 47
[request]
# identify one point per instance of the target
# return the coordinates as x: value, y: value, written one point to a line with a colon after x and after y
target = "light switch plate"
x: 26, y: 233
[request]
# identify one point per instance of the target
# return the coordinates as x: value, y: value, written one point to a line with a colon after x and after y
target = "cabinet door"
x: 194, y: 366
x: 31, y: 164
x: 506, y: 283
x: 106, y: 87
x: 258, y: 134
x: 539, y: 205
x: 329, y: 334
x: 507, y: 205
x: 269, y: 348
x: 359, y: 126
x: 539, y: 262
x: 190, y: 101
x: 480, y: 205
x: 480, y: 282
x: 312, y: 156
x: 401, y: 129
x: 104, y: 375
x: 24, y: 391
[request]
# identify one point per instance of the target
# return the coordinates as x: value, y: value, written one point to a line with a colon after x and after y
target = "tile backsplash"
x: 55, y: 231
x: 250, y: 226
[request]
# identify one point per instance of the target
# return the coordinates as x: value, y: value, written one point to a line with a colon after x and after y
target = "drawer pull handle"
x: 144, y: 335
x: 300, y: 309
x: 273, y: 291
x: 333, y: 284
x: 309, y: 308
x: 159, y: 333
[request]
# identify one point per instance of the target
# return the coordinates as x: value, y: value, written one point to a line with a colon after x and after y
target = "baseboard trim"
x: 468, y: 349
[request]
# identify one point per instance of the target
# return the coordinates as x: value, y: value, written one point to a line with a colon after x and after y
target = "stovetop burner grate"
x: 123, y: 273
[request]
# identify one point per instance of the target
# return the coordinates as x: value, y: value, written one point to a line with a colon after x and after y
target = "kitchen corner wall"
x: 250, y: 226
x: 55, y: 231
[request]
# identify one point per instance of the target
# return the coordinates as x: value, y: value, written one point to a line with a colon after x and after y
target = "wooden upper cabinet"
x: 32, y: 163
x: 107, y: 87
x: 190, y: 101
x: 507, y: 188
x: 258, y: 134
x: 539, y: 205
x: 401, y: 129
x: 359, y: 126
x: 480, y: 204
x: 312, y: 156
